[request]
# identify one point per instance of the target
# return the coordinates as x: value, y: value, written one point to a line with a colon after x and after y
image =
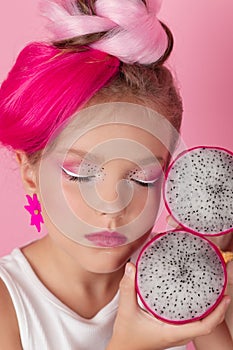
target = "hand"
x: 230, y: 273
x: 135, y: 329
x: 229, y: 314
x: 224, y: 242
x: 171, y: 222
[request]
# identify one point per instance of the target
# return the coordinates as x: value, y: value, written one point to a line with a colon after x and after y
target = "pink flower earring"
x: 34, y: 209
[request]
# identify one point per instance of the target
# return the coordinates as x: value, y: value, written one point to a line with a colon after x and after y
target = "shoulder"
x: 9, y: 330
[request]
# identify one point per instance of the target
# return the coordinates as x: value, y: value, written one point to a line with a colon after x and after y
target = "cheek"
x: 146, y: 200
x: 149, y: 195
x: 74, y: 198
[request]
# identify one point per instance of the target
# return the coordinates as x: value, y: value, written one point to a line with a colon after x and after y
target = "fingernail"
x: 128, y: 270
x: 228, y: 300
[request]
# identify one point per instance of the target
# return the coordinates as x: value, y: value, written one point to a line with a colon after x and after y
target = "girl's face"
x: 101, y: 187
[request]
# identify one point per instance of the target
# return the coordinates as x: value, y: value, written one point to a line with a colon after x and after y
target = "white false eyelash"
x: 146, y: 181
x: 70, y: 173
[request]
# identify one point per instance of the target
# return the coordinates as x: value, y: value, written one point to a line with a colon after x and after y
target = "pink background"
x: 202, y: 59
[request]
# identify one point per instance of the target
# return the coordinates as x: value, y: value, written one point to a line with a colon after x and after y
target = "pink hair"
x: 46, y: 87
x: 134, y: 33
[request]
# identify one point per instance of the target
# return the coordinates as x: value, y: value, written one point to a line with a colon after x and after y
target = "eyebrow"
x: 98, y: 158
x: 78, y: 152
x: 84, y: 154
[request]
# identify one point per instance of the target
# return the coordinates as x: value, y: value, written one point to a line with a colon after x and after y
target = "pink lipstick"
x: 106, y: 238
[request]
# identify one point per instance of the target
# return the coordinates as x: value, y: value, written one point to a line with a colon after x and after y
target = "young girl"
x: 93, y: 119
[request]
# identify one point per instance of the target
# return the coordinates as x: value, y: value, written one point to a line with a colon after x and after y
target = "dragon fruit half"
x: 181, y: 275
x: 198, y: 190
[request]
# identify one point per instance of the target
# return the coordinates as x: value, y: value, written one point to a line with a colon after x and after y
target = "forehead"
x: 118, y: 141
x: 116, y: 126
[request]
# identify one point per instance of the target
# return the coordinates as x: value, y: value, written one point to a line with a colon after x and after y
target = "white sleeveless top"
x: 44, y: 321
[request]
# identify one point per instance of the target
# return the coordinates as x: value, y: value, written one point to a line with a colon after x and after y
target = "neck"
x: 69, y: 280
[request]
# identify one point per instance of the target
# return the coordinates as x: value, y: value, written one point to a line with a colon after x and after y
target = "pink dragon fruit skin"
x: 200, y: 200
x: 180, y: 277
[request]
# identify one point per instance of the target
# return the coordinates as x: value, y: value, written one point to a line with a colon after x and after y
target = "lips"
x: 106, y: 239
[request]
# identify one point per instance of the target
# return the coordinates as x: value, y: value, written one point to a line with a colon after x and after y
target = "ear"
x: 28, y: 172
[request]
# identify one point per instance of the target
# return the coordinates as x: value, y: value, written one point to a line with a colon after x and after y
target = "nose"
x: 114, y: 191
x: 113, y: 203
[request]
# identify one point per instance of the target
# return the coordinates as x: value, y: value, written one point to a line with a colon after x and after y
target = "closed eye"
x: 145, y: 183
x: 75, y: 177
x: 147, y: 177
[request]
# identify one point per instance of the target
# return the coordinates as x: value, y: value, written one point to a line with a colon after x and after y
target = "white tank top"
x: 44, y: 321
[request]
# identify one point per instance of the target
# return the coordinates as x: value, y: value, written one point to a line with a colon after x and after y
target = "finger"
x: 230, y: 273
x: 128, y: 295
x: 210, y: 322
x: 172, y: 222
x: 153, y: 234
x: 223, y: 241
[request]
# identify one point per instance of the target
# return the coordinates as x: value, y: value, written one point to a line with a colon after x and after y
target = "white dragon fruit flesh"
x: 198, y: 190
x: 181, y: 277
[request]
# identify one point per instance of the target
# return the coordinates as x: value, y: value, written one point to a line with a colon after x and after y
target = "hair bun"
x: 67, y: 21
x: 133, y: 31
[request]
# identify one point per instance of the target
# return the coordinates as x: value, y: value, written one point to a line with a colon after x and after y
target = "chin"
x: 109, y: 260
